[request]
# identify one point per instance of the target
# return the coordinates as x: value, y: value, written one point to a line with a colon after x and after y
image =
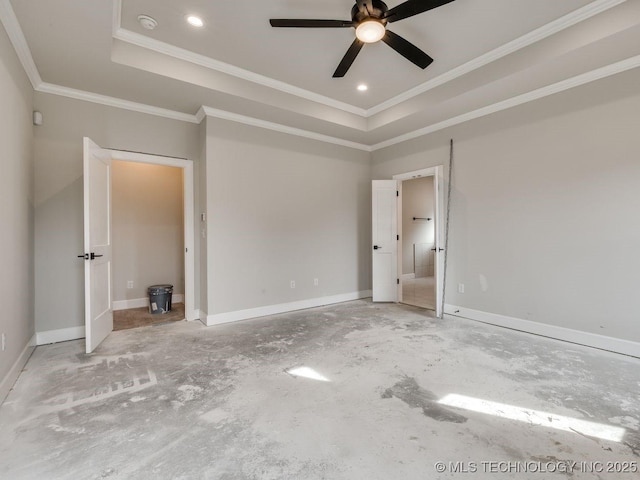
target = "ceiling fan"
x: 370, y: 18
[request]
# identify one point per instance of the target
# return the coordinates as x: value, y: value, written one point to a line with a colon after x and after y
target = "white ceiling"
x: 489, y: 54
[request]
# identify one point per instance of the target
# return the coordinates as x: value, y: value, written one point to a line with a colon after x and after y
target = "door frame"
x: 188, y: 217
x: 438, y: 191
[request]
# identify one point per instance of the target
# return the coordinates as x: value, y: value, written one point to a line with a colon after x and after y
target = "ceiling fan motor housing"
x: 379, y: 9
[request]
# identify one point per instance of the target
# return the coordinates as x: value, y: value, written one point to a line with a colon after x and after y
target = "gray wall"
x: 58, y: 190
x: 147, y: 228
x: 544, y: 207
x: 417, y: 201
x: 544, y: 214
x: 16, y: 207
x: 283, y: 208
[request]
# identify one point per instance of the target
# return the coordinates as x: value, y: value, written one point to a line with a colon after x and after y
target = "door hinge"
x: 398, y: 281
x: 397, y: 193
x: 398, y: 237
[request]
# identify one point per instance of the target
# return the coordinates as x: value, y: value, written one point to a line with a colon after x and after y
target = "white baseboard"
x: 141, y: 302
x: 408, y: 276
x: 10, y: 378
x: 61, y: 335
x: 219, y: 318
x: 594, y: 340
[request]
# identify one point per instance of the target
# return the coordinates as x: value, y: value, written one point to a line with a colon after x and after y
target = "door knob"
x: 94, y: 256
x: 85, y: 256
x: 376, y: 247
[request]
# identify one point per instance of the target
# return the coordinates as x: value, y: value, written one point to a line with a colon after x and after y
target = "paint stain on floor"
x: 415, y: 396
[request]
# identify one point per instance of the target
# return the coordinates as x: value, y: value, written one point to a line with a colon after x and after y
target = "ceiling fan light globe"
x: 370, y: 31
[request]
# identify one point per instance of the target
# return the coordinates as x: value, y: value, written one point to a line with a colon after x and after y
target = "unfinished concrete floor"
x: 183, y: 401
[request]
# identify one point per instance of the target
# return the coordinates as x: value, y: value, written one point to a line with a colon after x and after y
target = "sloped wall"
x: 58, y: 191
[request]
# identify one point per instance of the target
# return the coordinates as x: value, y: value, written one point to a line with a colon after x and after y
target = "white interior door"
x: 385, y: 241
x: 97, y: 244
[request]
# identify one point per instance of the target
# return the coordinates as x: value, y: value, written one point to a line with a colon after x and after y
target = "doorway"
x: 147, y: 227
x: 187, y: 207
x: 417, y: 234
x: 420, y: 253
x: 98, y: 235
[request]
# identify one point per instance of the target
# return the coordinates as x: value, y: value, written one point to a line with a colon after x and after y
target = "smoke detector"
x: 147, y: 22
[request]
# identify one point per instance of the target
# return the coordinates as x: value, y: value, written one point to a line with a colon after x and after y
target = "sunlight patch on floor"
x: 307, y: 372
x: 535, y: 417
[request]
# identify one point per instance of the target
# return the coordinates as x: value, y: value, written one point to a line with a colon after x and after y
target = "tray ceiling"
x: 238, y: 67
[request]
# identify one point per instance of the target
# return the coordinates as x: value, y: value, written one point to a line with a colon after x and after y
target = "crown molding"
x: 205, y: 111
x: 537, y: 94
x: 277, y: 127
x: 19, y: 42
x: 114, y: 102
x: 202, y: 113
x: 117, y: 16
x: 16, y: 36
x: 218, y: 66
x: 556, y: 26
x: 526, y: 40
x: 161, y: 47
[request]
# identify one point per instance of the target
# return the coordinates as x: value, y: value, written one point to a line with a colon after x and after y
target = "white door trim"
x: 436, y: 173
x: 399, y: 295
x: 424, y: 172
x: 189, y: 209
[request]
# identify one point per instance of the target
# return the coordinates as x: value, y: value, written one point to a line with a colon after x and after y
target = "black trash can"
x: 160, y: 298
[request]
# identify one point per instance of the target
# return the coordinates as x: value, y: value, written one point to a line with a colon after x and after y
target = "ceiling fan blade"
x: 411, y: 8
x: 302, y: 23
x: 407, y: 50
x: 365, y: 6
x: 348, y: 58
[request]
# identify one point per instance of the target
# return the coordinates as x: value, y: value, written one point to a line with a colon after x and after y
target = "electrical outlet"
x: 461, y: 288
x: 315, y: 282
x: 293, y: 284
x: 129, y: 284
x: 4, y: 342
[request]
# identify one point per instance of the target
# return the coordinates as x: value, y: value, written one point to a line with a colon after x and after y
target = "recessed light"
x: 195, y: 21
x: 147, y: 22
x: 362, y: 87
